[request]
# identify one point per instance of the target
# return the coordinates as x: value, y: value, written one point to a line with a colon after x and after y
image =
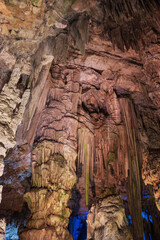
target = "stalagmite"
x: 79, y: 119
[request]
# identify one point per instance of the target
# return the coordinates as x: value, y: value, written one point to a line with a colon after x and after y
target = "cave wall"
x: 79, y: 111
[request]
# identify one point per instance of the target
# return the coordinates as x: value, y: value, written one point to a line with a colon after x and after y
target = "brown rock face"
x: 79, y: 105
x: 45, y: 234
x: 15, y: 179
x: 107, y: 220
x: 52, y: 183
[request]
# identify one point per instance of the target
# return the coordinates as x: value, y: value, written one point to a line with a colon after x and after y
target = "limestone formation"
x: 80, y: 117
x: 107, y: 220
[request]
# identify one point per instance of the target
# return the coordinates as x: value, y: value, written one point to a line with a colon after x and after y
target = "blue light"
x: 129, y: 220
x: 147, y: 217
x: 144, y: 215
x: 146, y: 194
x: 11, y: 232
x: 78, y: 227
x: 124, y: 198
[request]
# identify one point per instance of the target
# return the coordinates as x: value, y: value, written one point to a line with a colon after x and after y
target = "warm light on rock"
x: 79, y: 119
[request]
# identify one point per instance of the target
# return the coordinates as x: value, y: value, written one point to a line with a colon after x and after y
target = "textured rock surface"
x: 2, y: 228
x: 52, y: 181
x: 79, y: 105
x: 15, y: 179
x: 106, y: 220
x: 45, y: 234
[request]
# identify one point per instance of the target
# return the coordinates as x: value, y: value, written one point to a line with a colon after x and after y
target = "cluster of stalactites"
x: 114, y: 156
x: 125, y: 9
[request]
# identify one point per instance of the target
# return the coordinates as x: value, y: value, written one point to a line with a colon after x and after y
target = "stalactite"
x: 85, y: 155
x: 128, y: 8
x: 87, y: 173
x: 79, y: 32
x: 134, y: 184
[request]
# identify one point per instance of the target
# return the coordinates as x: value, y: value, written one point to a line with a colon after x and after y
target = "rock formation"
x: 80, y: 117
x: 107, y: 220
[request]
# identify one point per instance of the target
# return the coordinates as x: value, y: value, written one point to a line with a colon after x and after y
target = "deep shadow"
x: 150, y: 214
